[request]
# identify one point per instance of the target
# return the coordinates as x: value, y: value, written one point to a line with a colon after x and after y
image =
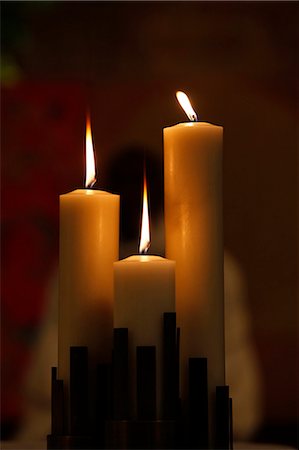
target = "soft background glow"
x: 124, y: 61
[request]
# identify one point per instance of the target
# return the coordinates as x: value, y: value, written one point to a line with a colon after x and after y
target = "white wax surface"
x: 194, y: 239
x: 144, y: 290
x: 89, y: 244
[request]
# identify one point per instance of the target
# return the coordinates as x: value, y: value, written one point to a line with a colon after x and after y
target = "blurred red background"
x: 123, y: 62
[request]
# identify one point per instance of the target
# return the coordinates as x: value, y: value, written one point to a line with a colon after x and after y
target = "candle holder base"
x: 112, y: 426
x: 145, y: 434
x: 69, y: 442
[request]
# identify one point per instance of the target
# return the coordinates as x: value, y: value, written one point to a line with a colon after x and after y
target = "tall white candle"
x: 144, y: 290
x: 194, y: 239
x: 89, y: 243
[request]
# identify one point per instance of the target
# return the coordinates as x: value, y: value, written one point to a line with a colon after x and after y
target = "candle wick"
x: 145, y: 249
x: 91, y: 184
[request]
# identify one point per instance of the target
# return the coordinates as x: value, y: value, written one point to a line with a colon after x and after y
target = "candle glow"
x: 186, y: 105
x: 145, y: 243
x: 90, y: 159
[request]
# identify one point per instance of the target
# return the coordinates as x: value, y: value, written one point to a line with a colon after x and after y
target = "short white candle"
x: 144, y: 289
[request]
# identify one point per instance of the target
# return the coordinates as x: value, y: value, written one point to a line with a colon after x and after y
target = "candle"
x: 89, y: 241
x: 193, y: 238
x: 144, y: 290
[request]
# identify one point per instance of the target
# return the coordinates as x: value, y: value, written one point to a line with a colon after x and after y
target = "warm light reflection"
x: 145, y: 228
x: 186, y: 105
x: 90, y: 160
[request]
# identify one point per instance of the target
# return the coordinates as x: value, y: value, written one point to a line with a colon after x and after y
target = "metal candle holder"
x: 113, y: 427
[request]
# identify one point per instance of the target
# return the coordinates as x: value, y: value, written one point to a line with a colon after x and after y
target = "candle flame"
x: 145, y: 242
x: 90, y: 159
x: 186, y: 105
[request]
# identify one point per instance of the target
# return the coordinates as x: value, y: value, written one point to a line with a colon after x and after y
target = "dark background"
x: 124, y: 61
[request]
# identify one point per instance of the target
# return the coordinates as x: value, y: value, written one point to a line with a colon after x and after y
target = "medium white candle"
x: 144, y: 290
x: 89, y: 244
x: 193, y: 234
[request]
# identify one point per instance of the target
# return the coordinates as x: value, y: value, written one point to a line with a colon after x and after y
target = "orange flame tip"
x: 145, y: 241
x: 186, y: 105
x: 90, y: 178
